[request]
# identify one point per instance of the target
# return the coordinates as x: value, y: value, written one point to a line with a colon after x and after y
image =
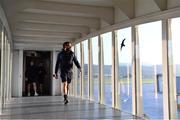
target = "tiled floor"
x: 53, y: 108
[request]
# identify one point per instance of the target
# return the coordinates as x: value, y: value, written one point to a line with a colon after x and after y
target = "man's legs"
x: 35, y: 88
x: 65, y: 90
x: 29, y: 89
x: 66, y: 79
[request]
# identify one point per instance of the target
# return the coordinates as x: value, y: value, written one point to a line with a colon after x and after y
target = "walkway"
x: 53, y: 108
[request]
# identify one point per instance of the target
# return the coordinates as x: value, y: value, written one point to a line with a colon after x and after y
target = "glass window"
x: 125, y: 68
x: 71, y: 91
x: 78, y: 55
x: 175, y: 27
x: 95, y: 67
x: 150, y: 46
x: 0, y: 56
x: 0, y: 47
x: 85, y: 69
x: 107, y: 48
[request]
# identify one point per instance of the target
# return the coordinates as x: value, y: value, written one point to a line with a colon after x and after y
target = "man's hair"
x: 65, y: 43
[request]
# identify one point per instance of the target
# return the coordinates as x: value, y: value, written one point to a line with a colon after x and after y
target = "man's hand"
x: 80, y: 70
x: 55, y: 75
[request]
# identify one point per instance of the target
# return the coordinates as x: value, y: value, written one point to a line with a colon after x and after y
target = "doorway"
x: 43, y: 59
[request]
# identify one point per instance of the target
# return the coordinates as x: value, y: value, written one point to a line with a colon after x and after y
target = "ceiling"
x: 103, y: 3
x: 55, y: 21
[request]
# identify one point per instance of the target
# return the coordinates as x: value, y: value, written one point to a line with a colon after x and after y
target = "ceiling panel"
x: 104, y: 3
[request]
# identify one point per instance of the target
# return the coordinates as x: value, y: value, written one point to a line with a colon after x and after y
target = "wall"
x: 15, y: 77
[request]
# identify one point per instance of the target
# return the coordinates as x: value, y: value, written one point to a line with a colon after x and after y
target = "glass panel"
x: 175, y: 27
x: 0, y: 60
x: 5, y: 80
x: 78, y: 55
x: 95, y: 67
x: 125, y: 68
x: 74, y: 78
x: 150, y: 45
x: 85, y: 71
x: 107, y: 47
x: 0, y: 47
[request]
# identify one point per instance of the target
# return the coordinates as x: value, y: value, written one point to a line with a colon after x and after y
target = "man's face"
x: 68, y: 46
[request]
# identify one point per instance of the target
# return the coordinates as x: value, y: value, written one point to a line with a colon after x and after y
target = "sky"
x: 150, y: 44
x: 176, y: 40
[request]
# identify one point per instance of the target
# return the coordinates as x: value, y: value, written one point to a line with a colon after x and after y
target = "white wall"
x: 56, y: 84
x: 18, y: 74
x: 15, y: 74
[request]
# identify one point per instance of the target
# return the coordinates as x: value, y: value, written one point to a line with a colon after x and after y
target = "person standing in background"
x: 31, y: 75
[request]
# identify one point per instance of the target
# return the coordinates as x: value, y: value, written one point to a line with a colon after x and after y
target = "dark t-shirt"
x: 32, y: 73
x: 65, y: 61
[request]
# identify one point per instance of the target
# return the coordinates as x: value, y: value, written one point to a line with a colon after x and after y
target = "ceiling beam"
x: 162, y: 4
x: 45, y: 34
x: 56, y: 19
x: 126, y: 6
x: 50, y: 27
x: 33, y: 41
x: 36, y: 6
x: 40, y: 39
x: 106, y: 13
x: 38, y: 46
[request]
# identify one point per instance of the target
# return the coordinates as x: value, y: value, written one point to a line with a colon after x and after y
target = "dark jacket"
x: 31, y: 73
x: 41, y: 72
x: 65, y: 61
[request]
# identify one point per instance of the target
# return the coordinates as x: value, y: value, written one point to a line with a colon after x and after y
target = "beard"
x: 68, y: 49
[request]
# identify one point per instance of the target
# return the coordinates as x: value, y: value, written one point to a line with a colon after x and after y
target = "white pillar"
x: 82, y: 73
x: 20, y: 81
x: 2, y: 70
x: 101, y: 71
x: 5, y: 70
x: 90, y: 79
x: 136, y: 76
x: 169, y: 81
x: 56, y: 83
x: 115, y: 99
x: 75, y: 75
x: 11, y: 68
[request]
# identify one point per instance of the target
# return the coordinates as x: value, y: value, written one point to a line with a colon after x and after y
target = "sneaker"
x: 66, y: 102
x: 65, y: 98
x: 36, y: 94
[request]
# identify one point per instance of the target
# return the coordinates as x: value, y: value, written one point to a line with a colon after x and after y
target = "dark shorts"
x: 31, y: 81
x: 66, y: 76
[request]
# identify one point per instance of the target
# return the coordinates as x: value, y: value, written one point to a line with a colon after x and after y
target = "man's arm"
x: 57, y: 64
x: 76, y: 62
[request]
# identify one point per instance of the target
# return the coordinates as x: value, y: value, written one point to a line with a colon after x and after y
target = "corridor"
x: 53, y: 108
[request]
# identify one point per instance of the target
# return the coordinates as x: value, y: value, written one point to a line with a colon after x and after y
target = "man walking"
x: 64, y: 62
